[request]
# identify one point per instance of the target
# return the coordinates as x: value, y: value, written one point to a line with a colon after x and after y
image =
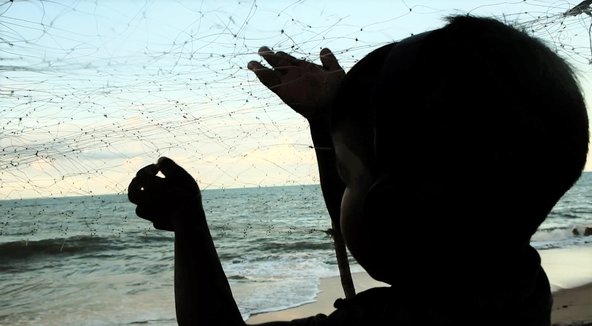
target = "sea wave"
x: 25, y: 249
x: 297, y: 246
x: 564, y: 232
x: 572, y: 214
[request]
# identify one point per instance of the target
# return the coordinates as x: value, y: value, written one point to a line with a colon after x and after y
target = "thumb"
x: 171, y: 170
x: 329, y: 61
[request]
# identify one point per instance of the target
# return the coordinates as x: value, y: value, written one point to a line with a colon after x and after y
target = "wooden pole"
x: 342, y: 262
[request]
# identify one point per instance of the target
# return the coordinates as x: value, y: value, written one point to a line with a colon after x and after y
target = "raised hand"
x: 306, y: 87
x: 159, y: 200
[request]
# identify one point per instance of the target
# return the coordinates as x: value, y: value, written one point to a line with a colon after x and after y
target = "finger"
x: 165, y: 225
x: 159, y: 217
x: 149, y: 170
x: 134, y: 191
x: 145, y: 189
x: 329, y: 61
x: 145, y: 178
x: 254, y: 66
x: 146, y: 212
x: 170, y: 169
x: 266, y: 76
x: 286, y: 59
x: 175, y: 173
x: 166, y: 165
x: 268, y: 55
x: 278, y: 59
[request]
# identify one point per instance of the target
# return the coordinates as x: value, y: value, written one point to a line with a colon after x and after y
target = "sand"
x: 569, y: 271
x: 330, y: 290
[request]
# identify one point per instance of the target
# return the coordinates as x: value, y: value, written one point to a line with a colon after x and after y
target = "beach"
x: 569, y: 271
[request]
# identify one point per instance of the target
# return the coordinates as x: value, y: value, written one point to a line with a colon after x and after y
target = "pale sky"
x: 94, y: 90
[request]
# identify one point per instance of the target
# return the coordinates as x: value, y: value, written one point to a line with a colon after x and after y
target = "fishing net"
x: 92, y: 90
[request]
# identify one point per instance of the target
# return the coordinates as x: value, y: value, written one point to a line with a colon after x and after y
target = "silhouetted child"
x: 446, y: 152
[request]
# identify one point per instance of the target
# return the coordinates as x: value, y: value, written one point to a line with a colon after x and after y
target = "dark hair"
x: 478, y: 108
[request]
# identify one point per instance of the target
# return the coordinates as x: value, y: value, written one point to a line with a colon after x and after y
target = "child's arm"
x: 202, y: 293
x: 309, y: 89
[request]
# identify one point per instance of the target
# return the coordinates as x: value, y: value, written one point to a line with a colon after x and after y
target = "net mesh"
x: 91, y: 91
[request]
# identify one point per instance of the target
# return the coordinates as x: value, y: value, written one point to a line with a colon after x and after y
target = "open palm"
x: 306, y: 87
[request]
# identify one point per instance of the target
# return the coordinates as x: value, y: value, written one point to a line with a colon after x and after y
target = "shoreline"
x: 330, y: 290
x: 570, y: 306
x: 569, y: 271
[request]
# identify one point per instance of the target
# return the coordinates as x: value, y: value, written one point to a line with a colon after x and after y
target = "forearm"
x: 202, y: 293
x: 331, y: 184
x: 332, y: 188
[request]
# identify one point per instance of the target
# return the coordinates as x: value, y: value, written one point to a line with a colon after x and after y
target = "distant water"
x: 91, y: 261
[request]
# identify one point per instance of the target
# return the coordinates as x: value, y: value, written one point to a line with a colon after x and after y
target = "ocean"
x: 89, y: 260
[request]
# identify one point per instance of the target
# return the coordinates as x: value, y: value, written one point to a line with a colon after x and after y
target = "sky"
x: 91, y: 91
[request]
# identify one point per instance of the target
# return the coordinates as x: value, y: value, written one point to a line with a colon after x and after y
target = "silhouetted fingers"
x: 144, y: 212
x: 281, y: 62
x: 145, y: 185
x: 266, y: 76
x: 285, y: 60
x: 267, y: 54
x: 169, y: 168
x: 149, y: 170
x: 145, y: 190
x: 137, y: 193
x: 176, y: 174
x: 255, y: 65
x: 179, y: 180
x: 148, y: 193
x: 157, y: 215
x: 329, y: 61
x: 134, y: 191
x: 278, y: 60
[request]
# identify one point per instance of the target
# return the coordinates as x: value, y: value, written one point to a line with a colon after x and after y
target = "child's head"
x: 474, y: 130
